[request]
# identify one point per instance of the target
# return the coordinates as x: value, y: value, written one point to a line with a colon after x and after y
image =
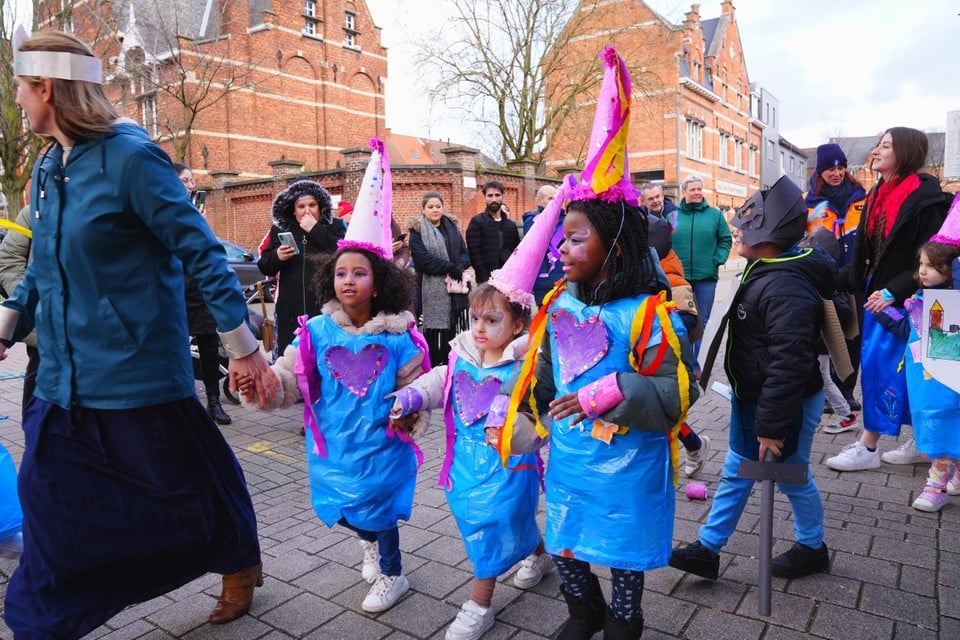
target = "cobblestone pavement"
x: 895, y: 571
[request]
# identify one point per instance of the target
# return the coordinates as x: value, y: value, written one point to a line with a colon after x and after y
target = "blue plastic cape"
x: 609, y: 504
x: 368, y: 478
x: 883, y: 382
x: 495, y: 508
x: 11, y: 516
x: 934, y: 407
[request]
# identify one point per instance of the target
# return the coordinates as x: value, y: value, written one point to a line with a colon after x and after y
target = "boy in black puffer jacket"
x: 775, y: 322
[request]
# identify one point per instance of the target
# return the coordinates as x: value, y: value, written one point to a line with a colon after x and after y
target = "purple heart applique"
x: 580, y: 345
x: 357, y: 371
x: 473, y: 398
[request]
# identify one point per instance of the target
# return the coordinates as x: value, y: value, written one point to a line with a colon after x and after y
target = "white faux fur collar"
x: 467, y: 349
x: 381, y: 323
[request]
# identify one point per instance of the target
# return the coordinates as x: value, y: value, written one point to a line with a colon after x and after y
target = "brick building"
x: 691, y: 102
x: 307, y: 76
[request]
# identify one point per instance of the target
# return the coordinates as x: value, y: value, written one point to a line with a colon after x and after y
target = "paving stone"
x: 708, y: 624
x: 840, y: 623
x: 349, y: 626
x: 301, y: 614
x: 897, y: 604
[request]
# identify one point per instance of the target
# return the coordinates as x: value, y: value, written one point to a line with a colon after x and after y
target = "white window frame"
x: 310, y: 8
x: 694, y: 140
x: 148, y: 114
x: 310, y: 27
x: 350, y: 20
x: 723, y: 149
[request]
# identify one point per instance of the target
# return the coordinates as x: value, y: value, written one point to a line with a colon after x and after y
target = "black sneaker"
x: 696, y: 559
x: 827, y: 409
x: 800, y: 560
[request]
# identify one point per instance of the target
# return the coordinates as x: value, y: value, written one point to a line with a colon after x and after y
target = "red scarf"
x: 886, y: 201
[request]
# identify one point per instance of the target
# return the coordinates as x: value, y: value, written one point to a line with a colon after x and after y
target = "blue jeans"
x: 733, y: 492
x: 704, y: 292
x: 388, y: 543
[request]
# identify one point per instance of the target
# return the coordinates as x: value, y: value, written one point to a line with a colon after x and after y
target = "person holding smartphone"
x: 304, y: 213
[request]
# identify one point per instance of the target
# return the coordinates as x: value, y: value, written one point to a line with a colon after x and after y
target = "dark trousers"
x: 208, y: 347
x: 388, y: 543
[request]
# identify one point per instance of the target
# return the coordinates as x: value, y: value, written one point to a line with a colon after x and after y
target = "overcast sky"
x: 838, y: 68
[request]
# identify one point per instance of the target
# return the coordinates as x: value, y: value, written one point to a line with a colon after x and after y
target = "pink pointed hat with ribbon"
x: 519, y: 273
x: 606, y: 175
x: 950, y: 231
x: 370, y: 225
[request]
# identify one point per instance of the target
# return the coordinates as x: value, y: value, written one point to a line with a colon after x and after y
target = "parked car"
x: 244, y: 264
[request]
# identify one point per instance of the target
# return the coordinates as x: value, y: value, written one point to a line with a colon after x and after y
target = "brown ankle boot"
x: 237, y: 594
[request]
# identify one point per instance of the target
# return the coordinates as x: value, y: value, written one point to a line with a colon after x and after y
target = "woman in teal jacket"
x: 127, y: 486
x: 702, y: 241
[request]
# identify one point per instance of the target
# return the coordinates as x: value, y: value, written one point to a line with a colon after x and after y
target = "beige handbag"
x: 267, y: 330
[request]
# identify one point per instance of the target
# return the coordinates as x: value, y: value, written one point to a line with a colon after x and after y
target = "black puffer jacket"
x: 921, y: 216
x: 295, y: 296
x: 775, y: 323
x: 490, y: 242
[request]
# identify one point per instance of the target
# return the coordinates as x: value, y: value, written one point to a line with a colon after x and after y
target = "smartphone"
x: 400, y: 238
x: 199, y: 198
x: 286, y: 238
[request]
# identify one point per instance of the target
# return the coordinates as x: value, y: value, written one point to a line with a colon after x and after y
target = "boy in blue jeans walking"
x: 771, y: 362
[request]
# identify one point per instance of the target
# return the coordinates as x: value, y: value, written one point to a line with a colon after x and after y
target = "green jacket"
x: 702, y: 240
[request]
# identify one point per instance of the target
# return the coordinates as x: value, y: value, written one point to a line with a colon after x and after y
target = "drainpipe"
x: 679, y: 99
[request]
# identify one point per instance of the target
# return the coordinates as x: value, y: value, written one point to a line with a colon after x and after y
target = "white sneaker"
x: 532, y: 569
x: 854, y: 457
x: 953, y: 487
x: 12, y: 547
x: 385, y: 593
x: 904, y: 454
x: 472, y: 622
x: 696, y: 459
x: 371, y: 561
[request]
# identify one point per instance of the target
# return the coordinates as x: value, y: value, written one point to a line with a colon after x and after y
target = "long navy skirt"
x: 121, y: 506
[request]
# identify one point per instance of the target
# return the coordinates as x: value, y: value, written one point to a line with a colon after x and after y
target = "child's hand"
x: 493, y: 437
x: 405, y: 423
x: 245, y: 386
x: 567, y: 405
x: 769, y: 444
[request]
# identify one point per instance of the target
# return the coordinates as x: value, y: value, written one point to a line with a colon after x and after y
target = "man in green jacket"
x: 702, y: 240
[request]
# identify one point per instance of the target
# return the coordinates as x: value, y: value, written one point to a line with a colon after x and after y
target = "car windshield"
x: 236, y: 253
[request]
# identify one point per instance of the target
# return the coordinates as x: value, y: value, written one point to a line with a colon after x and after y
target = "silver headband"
x: 54, y: 64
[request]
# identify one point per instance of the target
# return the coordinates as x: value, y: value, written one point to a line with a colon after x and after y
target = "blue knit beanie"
x: 830, y: 155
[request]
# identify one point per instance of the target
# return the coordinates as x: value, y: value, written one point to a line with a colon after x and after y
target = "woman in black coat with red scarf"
x: 903, y: 211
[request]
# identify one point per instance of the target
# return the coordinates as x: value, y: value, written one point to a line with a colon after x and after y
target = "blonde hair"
x: 80, y: 109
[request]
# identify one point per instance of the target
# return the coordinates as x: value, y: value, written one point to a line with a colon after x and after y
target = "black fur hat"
x: 284, y: 202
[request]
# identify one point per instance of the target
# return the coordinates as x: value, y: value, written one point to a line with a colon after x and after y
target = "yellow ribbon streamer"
x: 13, y: 226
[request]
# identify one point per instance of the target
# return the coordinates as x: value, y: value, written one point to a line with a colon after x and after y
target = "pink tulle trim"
x: 622, y: 191
x: 945, y: 240
x: 512, y: 291
x: 367, y: 246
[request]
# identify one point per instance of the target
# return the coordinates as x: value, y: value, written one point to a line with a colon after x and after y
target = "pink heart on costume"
x: 473, y: 398
x: 580, y: 345
x: 357, y: 371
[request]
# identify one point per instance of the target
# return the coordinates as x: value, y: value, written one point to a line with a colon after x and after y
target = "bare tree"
x: 499, y: 62
x: 174, y: 65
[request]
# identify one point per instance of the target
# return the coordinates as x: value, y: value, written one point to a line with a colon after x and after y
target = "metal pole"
x: 766, y: 541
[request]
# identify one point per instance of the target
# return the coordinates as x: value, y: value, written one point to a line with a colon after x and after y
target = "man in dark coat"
x: 491, y: 235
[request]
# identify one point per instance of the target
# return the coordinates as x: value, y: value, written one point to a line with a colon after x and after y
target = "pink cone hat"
x: 370, y: 225
x: 950, y: 231
x: 606, y: 175
x: 519, y: 273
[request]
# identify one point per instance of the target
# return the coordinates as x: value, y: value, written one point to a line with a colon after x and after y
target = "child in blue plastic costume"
x: 610, y: 373
x: 344, y: 363
x: 611, y: 389
x: 11, y: 515
x: 495, y: 507
x: 934, y: 407
x: 771, y: 362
